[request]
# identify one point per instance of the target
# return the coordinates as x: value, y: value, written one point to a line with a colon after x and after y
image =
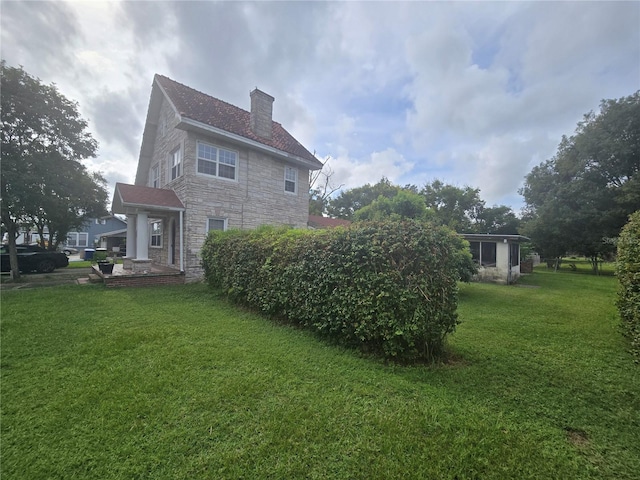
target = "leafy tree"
x: 584, y: 194
x: 496, y: 219
x: 404, y: 204
x: 455, y: 207
x: 44, y: 140
x: 350, y: 201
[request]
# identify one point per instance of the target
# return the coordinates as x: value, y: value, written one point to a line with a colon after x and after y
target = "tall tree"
x: 582, y: 196
x: 404, y: 204
x: 350, y: 201
x: 43, y: 181
x: 453, y: 206
x: 496, y: 219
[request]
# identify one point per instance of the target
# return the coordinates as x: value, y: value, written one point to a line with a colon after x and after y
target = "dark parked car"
x: 33, y: 258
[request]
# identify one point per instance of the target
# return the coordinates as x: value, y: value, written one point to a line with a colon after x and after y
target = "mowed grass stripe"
x: 174, y: 382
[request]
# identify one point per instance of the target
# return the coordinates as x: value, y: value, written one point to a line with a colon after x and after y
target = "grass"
x: 175, y: 383
x: 80, y: 264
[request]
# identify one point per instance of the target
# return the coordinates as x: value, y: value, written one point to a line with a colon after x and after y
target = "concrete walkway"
x: 60, y: 276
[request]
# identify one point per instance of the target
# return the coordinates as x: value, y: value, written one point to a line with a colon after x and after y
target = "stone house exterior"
x: 208, y: 165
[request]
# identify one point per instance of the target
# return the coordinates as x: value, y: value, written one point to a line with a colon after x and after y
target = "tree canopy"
x: 460, y: 209
x: 44, y: 140
x: 581, y: 198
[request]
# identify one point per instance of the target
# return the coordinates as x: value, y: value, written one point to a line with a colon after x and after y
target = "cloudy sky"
x: 471, y: 93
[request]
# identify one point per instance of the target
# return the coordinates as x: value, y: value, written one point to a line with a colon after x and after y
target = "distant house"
x: 108, y: 232
x: 318, y: 221
x: 207, y: 165
x: 497, y: 256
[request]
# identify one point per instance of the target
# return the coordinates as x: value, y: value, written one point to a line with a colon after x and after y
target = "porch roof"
x: 129, y: 199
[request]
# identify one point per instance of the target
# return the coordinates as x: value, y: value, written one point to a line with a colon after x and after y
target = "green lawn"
x: 175, y: 383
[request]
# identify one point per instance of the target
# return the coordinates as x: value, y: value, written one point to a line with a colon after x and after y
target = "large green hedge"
x: 387, y: 287
x: 628, y: 271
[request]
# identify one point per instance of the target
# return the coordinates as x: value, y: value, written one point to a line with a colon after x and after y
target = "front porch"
x: 153, y: 275
x: 154, y: 236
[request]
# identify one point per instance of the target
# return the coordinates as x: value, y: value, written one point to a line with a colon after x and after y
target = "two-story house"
x: 207, y: 165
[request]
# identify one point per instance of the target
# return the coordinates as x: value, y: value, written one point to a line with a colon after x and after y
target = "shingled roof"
x: 136, y: 196
x: 211, y: 111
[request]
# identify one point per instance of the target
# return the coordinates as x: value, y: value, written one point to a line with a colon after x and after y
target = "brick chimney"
x: 261, y: 113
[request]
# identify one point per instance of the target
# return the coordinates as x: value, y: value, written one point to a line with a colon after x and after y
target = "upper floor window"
x: 217, y: 161
x: 101, y: 221
x: 156, y: 234
x: 290, y: 179
x: 175, y: 160
x: 154, y: 176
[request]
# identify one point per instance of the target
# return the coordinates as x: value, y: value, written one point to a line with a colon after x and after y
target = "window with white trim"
x: 290, y: 179
x: 216, y: 224
x: 156, y: 234
x: 154, y: 176
x: 217, y: 162
x: 175, y: 163
x: 77, y: 239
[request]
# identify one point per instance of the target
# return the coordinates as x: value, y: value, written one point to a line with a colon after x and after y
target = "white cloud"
x: 356, y: 172
x: 471, y: 93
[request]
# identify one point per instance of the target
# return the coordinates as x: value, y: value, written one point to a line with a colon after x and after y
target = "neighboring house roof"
x: 131, y: 197
x: 114, y: 233
x: 317, y: 221
x: 216, y: 113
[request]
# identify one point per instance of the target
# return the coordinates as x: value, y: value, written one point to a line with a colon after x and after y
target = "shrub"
x: 628, y: 272
x: 387, y: 287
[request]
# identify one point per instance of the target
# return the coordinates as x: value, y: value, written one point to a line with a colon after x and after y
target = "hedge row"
x: 386, y: 287
x: 628, y: 271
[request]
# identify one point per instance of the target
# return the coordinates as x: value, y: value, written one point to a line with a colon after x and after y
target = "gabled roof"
x: 208, y: 110
x: 128, y: 198
x: 317, y: 221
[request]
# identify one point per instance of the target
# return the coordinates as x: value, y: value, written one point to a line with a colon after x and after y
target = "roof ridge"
x: 208, y: 95
x: 203, y: 93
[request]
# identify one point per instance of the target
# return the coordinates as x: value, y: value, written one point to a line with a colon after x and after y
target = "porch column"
x: 142, y: 236
x: 181, y: 241
x: 131, y: 236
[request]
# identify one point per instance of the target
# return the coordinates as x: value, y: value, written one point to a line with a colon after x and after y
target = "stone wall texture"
x: 256, y: 197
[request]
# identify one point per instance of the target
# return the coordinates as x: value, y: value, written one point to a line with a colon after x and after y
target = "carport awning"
x: 131, y: 199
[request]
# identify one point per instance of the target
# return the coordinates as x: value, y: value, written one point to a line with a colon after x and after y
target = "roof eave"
x: 495, y: 236
x: 190, y: 124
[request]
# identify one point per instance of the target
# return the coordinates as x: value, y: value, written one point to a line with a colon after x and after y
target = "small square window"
x: 217, y: 224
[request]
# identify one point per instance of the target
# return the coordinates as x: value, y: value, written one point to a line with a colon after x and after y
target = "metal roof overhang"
x: 494, y: 237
